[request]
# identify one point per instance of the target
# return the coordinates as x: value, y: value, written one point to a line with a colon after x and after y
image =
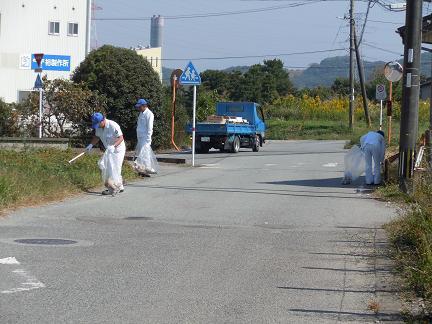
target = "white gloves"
x: 89, y: 148
x: 111, y: 148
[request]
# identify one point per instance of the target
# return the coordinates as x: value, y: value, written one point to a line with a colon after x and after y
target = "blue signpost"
x: 38, y: 85
x: 190, y: 76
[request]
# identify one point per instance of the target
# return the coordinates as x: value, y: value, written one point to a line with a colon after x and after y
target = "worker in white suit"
x: 109, y: 132
x: 373, y: 146
x: 145, y: 162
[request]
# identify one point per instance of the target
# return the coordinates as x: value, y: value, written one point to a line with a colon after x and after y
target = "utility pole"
x: 351, y: 76
x: 361, y: 76
x: 410, y: 94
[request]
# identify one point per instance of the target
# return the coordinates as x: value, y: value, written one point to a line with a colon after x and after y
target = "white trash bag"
x: 354, y: 164
x: 146, y: 161
x: 111, y: 173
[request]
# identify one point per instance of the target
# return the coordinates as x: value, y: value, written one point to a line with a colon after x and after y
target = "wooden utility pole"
x: 351, y: 76
x: 361, y: 76
x: 410, y: 94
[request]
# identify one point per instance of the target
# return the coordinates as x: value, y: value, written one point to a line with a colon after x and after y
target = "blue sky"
x: 310, y: 27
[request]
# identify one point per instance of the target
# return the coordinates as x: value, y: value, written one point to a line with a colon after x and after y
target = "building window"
x: 54, y: 28
x: 72, y: 29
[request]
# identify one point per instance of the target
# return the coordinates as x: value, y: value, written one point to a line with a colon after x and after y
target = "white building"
x: 58, y: 28
x: 154, y: 56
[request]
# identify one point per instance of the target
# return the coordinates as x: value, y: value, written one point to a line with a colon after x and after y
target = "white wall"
x: 24, y: 30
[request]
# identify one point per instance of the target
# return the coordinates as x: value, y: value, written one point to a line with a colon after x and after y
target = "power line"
x: 253, y: 56
x: 218, y: 14
x: 381, y: 49
x: 387, y: 22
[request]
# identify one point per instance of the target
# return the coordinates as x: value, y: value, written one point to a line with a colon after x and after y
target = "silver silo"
x: 157, y: 24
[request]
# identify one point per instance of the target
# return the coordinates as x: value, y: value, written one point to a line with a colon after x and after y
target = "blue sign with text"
x: 53, y: 63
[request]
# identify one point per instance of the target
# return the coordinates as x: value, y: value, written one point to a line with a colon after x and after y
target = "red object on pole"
x: 38, y: 57
x: 175, y: 75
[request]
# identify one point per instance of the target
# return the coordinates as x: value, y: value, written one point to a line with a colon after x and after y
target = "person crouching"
x: 111, y: 135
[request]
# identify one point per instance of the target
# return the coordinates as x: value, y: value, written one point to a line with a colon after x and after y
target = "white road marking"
x: 29, y: 282
x: 330, y: 165
x: 210, y: 166
x: 270, y: 164
x: 9, y: 260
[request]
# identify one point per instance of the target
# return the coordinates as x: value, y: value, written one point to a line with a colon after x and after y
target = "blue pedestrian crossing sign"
x: 190, y: 75
x: 38, y: 83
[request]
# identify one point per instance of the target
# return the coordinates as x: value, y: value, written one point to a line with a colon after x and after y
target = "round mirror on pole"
x: 393, y: 71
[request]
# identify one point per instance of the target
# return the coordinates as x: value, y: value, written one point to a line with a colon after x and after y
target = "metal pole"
x: 410, y: 95
x: 351, y: 76
x: 389, y: 113
x: 193, y: 125
x: 381, y: 114
x: 362, y: 83
x: 40, y: 112
x: 88, y: 26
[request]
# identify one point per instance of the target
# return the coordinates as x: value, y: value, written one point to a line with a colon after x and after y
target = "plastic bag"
x: 146, y: 161
x: 110, y: 170
x: 354, y: 164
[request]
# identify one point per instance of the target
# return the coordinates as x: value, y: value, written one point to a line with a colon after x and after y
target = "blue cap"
x: 141, y: 102
x: 96, y: 119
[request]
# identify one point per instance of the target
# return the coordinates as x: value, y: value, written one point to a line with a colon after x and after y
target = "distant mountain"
x: 241, y: 68
x: 325, y: 72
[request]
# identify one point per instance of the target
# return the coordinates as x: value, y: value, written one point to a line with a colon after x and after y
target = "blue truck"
x: 231, y: 136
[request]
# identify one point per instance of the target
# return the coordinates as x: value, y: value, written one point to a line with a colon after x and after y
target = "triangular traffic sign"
x: 190, y: 75
x: 38, y: 83
x: 38, y: 57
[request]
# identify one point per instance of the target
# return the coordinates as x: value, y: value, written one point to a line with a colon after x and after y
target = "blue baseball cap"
x: 141, y: 102
x: 96, y: 119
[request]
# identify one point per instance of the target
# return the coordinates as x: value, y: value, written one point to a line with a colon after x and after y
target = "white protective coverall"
x: 109, y: 135
x: 373, y: 146
x: 143, y: 150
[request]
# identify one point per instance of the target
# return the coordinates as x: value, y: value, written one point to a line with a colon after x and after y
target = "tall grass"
x: 35, y: 176
x: 335, y: 109
x: 411, y: 238
x: 313, y: 118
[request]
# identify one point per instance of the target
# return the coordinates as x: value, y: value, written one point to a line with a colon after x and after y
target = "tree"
x: 9, y: 120
x: 206, y: 104
x: 281, y: 78
x: 67, y: 109
x: 341, y: 87
x: 123, y: 76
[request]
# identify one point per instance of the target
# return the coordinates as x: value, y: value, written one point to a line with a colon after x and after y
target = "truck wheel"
x: 235, y: 145
x: 256, y: 144
x: 202, y: 150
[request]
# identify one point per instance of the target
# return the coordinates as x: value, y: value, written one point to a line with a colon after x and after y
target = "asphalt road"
x: 268, y: 237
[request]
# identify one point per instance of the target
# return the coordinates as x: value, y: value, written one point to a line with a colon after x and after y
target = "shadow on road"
x: 320, y: 183
x: 353, y: 316
x: 358, y: 291
x: 293, y: 193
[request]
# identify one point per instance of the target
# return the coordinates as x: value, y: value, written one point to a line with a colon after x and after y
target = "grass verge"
x: 37, y: 176
x: 411, y: 238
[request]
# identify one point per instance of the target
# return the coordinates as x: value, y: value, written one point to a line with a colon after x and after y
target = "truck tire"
x: 202, y: 150
x: 235, y: 148
x: 256, y: 145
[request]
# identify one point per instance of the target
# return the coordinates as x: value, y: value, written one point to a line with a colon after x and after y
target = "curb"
x: 162, y: 159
